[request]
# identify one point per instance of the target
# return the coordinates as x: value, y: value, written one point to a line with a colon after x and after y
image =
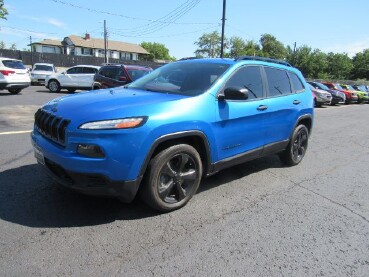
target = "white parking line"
x: 15, y: 132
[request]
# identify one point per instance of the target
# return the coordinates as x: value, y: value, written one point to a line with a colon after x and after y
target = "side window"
x: 89, y: 70
x: 278, y: 82
x: 72, y: 70
x: 248, y: 77
x: 297, y: 84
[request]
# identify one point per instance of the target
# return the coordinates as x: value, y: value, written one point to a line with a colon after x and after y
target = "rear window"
x: 14, y: 64
x: 42, y: 67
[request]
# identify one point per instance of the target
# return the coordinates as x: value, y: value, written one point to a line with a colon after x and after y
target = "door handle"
x: 262, y: 107
x: 296, y: 102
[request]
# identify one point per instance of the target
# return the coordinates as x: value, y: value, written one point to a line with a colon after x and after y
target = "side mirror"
x: 234, y: 93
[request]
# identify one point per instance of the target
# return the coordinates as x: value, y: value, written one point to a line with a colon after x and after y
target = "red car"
x: 351, y: 97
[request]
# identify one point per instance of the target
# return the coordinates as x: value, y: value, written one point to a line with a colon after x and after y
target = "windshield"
x: 321, y: 86
x: 350, y: 87
x: 338, y: 87
x: 137, y: 73
x: 185, y: 78
x: 42, y: 67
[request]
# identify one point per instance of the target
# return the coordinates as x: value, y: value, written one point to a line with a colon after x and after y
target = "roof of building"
x: 98, y: 43
x: 49, y: 42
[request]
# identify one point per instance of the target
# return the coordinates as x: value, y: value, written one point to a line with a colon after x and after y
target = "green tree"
x: 3, y: 11
x: 339, y: 66
x: 271, y: 47
x: 209, y: 45
x: 312, y: 63
x: 157, y: 51
x: 361, y: 65
x: 2, y: 45
x: 238, y: 47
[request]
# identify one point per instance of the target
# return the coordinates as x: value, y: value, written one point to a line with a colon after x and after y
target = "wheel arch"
x: 196, y: 139
x: 306, y: 120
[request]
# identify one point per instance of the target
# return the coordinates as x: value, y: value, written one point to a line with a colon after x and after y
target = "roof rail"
x: 262, y: 59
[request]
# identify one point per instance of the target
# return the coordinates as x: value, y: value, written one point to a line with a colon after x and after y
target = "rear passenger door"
x: 284, y: 103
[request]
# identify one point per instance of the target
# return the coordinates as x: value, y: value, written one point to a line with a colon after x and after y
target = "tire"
x: 54, y: 86
x: 172, y: 178
x: 15, y: 90
x: 71, y: 90
x: 296, y: 149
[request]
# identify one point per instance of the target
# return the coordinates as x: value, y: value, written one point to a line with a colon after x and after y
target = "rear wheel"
x: 172, y: 178
x: 296, y: 149
x: 54, y: 86
x: 14, y: 90
x: 71, y: 90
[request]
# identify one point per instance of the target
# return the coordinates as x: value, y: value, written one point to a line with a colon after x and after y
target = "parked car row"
x: 14, y: 76
x: 328, y: 93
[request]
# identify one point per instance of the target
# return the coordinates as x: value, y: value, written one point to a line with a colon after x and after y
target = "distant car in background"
x: 115, y: 75
x: 321, y: 97
x: 363, y: 95
x: 76, y: 77
x: 351, y: 96
x: 337, y: 96
x: 13, y: 75
x: 39, y: 72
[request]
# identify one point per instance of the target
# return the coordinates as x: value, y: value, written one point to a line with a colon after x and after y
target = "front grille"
x: 51, y: 126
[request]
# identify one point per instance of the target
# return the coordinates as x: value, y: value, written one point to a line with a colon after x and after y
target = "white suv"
x: 76, y: 77
x: 40, y: 71
x: 13, y: 75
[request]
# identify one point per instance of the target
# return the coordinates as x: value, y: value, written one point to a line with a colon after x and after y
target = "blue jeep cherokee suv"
x: 162, y: 133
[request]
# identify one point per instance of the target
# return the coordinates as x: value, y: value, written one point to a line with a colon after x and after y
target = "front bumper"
x: 64, y: 168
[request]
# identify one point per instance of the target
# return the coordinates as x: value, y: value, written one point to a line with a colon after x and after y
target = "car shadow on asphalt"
x: 30, y: 198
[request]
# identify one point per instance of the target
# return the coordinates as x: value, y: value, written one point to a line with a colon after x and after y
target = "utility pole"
x: 105, y: 43
x: 30, y: 44
x: 294, y: 54
x: 223, y: 23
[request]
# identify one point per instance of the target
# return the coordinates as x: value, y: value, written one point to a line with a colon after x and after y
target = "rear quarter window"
x: 296, y: 83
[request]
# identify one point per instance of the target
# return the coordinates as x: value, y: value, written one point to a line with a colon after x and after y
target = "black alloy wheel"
x: 172, y: 178
x: 296, y: 149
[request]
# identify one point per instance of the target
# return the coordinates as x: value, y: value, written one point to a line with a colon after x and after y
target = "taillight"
x: 7, y: 72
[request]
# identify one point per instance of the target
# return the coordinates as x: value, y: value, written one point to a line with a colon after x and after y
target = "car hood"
x: 320, y: 91
x: 110, y: 104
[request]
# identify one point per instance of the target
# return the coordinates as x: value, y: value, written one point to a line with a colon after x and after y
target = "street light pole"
x: 223, y: 23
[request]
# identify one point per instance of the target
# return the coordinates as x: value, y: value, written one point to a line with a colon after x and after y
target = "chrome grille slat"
x: 51, y: 126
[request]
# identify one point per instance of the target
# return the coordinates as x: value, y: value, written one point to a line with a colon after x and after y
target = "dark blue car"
x: 167, y: 130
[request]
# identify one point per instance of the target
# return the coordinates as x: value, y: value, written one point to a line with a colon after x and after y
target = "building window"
x: 48, y: 49
x: 86, y: 51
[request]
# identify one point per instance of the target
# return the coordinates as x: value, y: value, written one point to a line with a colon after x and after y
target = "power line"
x: 123, y: 16
x: 158, y: 25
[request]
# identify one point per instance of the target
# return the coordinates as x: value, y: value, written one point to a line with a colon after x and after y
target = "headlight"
x: 123, y: 123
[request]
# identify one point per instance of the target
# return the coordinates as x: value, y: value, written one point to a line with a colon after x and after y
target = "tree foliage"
x: 157, y: 51
x: 209, y: 45
x: 271, y: 47
x: 239, y: 47
x: 3, y: 11
x: 360, y: 63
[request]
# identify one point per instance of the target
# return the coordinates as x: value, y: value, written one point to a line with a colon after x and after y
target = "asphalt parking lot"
x: 255, y: 219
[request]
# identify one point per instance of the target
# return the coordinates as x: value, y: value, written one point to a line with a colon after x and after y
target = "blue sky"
x: 339, y: 26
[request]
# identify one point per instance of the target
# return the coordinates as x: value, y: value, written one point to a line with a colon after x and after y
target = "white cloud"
x: 350, y: 48
x: 56, y: 22
x: 22, y: 33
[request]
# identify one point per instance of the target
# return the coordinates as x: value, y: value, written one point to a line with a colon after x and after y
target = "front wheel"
x: 296, y: 149
x: 54, y: 86
x: 71, y: 90
x: 173, y: 177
